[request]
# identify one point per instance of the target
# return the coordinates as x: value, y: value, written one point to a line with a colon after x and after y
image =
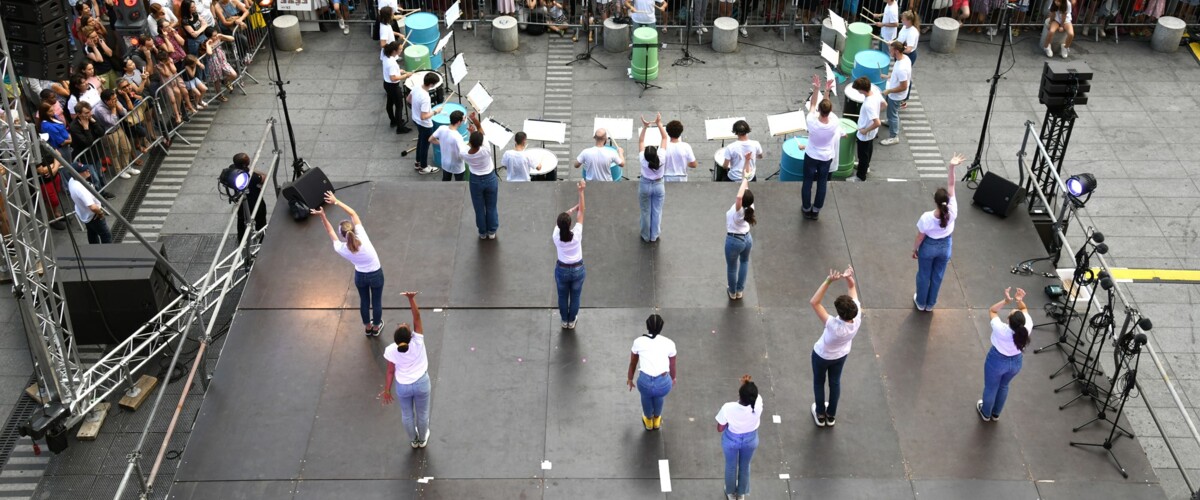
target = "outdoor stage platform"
x: 523, y: 410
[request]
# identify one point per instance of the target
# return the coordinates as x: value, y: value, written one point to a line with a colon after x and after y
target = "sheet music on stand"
x: 452, y: 14
x: 721, y: 129
x: 828, y: 54
x: 545, y: 130
x: 442, y: 43
x: 496, y: 134
x: 618, y: 128
x: 839, y: 24
x: 787, y: 123
x: 479, y: 98
x: 653, y: 138
x: 458, y: 69
x: 830, y: 76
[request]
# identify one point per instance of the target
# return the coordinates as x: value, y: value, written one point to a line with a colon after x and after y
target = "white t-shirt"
x: 205, y: 8
x: 365, y: 260
x: 741, y: 419
x: 386, y: 35
x: 891, y: 14
x: 518, y: 164
x: 1063, y: 18
x: 932, y: 227
x: 868, y: 114
x: 647, y: 172
x: 480, y: 162
x: 391, y: 67
x: 822, y: 137
x: 679, y: 155
x: 453, y: 148
x: 394, y: 4
x: 83, y: 200
x: 569, y: 252
x: 901, y: 72
x: 596, y: 161
x: 735, y: 220
x: 1002, y: 335
x: 645, y: 11
x: 421, y: 104
x: 835, y: 340
x: 411, y: 365
x: 736, y: 154
x: 654, y: 354
x: 910, y: 36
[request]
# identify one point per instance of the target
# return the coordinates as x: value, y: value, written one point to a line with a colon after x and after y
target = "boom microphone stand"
x: 587, y: 28
x: 687, y: 58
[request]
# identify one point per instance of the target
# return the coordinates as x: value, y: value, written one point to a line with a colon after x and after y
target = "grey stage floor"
x: 292, y: 412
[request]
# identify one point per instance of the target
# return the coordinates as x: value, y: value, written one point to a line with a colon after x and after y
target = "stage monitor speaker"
x: 125, y: 281
x: 997, y: 195
x: 309, y: 189
x: 33, y: 11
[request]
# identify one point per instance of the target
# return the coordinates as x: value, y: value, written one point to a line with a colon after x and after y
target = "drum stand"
x: 645, y: 81
x: 587, y: 28
x: 687, y: 58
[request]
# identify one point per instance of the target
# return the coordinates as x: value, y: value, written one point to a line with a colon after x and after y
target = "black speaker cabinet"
x: 997, y: 195
x: 309, y: 189
x: 43, y: 70
x: 54, y: 29
x: 33, y: 11
x: 125, y: 281
x: 41, y: 51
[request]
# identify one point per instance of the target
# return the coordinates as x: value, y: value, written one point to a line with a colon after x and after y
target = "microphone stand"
x: 687, y: 58
x: 972, y: 175
x: 587, y: 28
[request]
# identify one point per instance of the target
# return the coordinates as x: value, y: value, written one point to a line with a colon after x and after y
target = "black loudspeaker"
x: 37, y: 37
x: 125, y: 281
x: 997, y: 195
x: 130, y: 16
x: 33, y: 11
x: 33, y: 32
x: 58, y: 50
x: 309, y: 189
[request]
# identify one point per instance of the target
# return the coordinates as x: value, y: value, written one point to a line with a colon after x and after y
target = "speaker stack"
x: 1065, y: 84
x: 112, y: 290
x: 37, y: 37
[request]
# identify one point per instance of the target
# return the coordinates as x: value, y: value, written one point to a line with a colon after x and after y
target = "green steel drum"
x: 858, y: 38
x: 847, y: 149
x: 416, y: 58
x: 644, y: 63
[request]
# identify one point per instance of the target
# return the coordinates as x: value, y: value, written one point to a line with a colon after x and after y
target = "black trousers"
x: 395, y: 102
x: 260, y: 219
x: 865, y: 150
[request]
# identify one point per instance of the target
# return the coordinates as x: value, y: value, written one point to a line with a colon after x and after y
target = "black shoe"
x: 107, y: 195
x: 378, y: 328
x: 59, y: 225
x: 403, y: 130
x: 814, y: 215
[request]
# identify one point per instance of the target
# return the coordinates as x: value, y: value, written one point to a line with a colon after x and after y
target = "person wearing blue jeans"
x: 484, y: 183
x: 824, y: 131
x: 651, y: 191
x: 654, y: 354
x: 422, y: 113
x: 833, y: 347
x: 933, y: 245
x: 355, y: 246
x: 738, y: 423
x: 1009, y: 338
x: 408, y: 376
x: 569, y: 272
x: 738, y: 242
x: 898, y: 81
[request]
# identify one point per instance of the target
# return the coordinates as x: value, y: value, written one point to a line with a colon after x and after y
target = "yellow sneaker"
x: 648, y: 423
x: 657, y: 422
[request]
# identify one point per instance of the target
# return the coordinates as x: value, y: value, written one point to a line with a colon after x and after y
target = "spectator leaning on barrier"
x: 85, y: 133
x: 116, y: 143
x: 219, y: 71
x: 88, y: 209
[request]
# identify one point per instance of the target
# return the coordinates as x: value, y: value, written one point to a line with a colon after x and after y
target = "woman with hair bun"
x: 654, y: 356
x: 569, y: 272
x: 355, y: 246
x: 933, y: 245
x: 650, y: 190
x: 738, y: 423
x: 1009, y: 338
x: 408, y: 375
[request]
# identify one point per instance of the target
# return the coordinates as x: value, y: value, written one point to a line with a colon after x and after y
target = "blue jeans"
x: 654, y: 391
x: 484, y: 189
x: 893, y: 117
x: 370, y: 293
x: 817, y: 170
x: 414, y: 405
x: 739, y: 449
x: 651, y: 195
x: 97, y: 231
x: 570, y: 286
x: 737, y: 260
x: 832, y: 367
x: 998, y: 371
x: 932, y: 258
x: 423, y: 135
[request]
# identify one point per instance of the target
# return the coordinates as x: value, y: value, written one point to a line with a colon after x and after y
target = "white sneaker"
x: 744, y: 33
x: 1065, y: 50
x: 125, y: 175
x: 738, y: 295
x: 423, y: 442
x: 890, y: 141
x: 703, y: 29
x: 491, y: 236
x: 1049, y: 52
x: 346, y: 30
x: 1086, y: 30
x: 341, y: 23
x: 991, y: 31
x: 133, y: 171
x: 428, y: 169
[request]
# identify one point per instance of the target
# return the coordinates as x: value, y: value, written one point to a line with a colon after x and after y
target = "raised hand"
x: 330, y: 198
x: 816, y: 81
x: 1008, y: 294
x: 1020, y: 294
x: 829, y: 85
x: 849, y: 272
x: 957, y: 159
x: 658, y: 118
x: 834, y: 275
x: 644, y: 122
x: 581, y: 185
x: 410, y: 294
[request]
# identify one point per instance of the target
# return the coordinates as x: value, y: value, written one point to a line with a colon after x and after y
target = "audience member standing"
x: 517, y: 160
x: 449, y: 139
x: 738, y: 423
x: 1009, y: 338
x: 741, y: 156
x: 422, y: 115
x: 355, y: 246
x: 408, y: 375
x: 897, y: 91
x: 933, y: 245
x: 569, y: 272
x: 88, y: 208
x: 738, y: 242
x: 650, y: 190
x: 868, y: 126
x: 653, y: 359
x: 679, y: 157
x: 484, y: 184
x: 830, y: 352
x: 824, y: 130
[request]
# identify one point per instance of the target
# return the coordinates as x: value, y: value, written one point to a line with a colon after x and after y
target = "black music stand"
x: 687, y: 58
x: 587, y: 28
x: 645, y: 81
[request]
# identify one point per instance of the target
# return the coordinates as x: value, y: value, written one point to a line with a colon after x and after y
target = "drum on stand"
x: 791, y: 163
x: 871, y: 64
x: 848, y: 148
x: 422, y: 29
x: 443, y: 118
x: 546, y: 165
x: 437, y: 94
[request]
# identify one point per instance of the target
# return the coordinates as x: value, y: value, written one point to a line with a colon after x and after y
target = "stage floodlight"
x: 235, y: 179
x: 1081, y: 185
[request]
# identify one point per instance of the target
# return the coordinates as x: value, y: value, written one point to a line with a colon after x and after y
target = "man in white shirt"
x: 422, y: 116
x: 735, y: 153
x: 824, y: 133
x: 897, y: 90
x: 642, y: 11
x: 452, y: 147
x: 679, y: 156
x: 868, y: 125
x: 88, y: 208
x: 517, y: 161
x: 597, y: 160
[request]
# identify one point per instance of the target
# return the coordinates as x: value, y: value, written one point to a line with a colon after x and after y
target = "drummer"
x: 517, y: 161
x: 868, y: 125
x: 597, y: 160
x: 453, y: 148
x: 735, y: 153
x: 823, y: 136
x: 679, y: 157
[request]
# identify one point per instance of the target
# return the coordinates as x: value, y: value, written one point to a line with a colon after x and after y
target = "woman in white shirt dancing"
x: 569, y: 272
x: 654, y: 354
x: 933, y: 245
x: 738, y: 423
x: 1009, y: 338
x: 368, y: 273
x: 738, y: 242
x: 651, y: 191
x: 833, y: 347
x: 408, y: 376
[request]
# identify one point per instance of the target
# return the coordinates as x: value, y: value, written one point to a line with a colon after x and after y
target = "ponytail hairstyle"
x: 654, y: 325
x: 748, y: 393
x: 402, y: 337
x: 1016, y: 321
x: 942, y: 198
x: 347, y: 229
x: 748, y: 207
x: 651, y: 155
x: 912, y: 17
x: 564, y: 227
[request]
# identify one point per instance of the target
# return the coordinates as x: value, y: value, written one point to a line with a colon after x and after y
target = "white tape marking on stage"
x: 546, y: 465
x: 921, y: 146
x: 776, y: 419
x: 896, y: 180
x: 932, y: 175
x: 932, y: 168
x: 785, y: 477
x: 425, y: 480
x: 437, y: 310
x: 664, y: 475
